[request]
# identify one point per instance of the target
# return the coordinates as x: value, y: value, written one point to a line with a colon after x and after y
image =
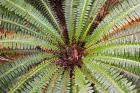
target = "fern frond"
x: 126, y: 53
x: 121, y: 62
x: 131, y: 41
x: 28, y: 75
x: 44, y: 77
x: 83, y: 8
x: 96, y: 6
x: 74, y: 87
x: 45, y: 8
x: 28, y: 12
x: 48, y: 8
x: 110, y: 78
x: 19, y: 41
x: 12, y: 70
x: 126, y: 30
x: 62, y: 85
x: 69, y: 8
x: 65, y: 83
x: 18, y: 24
x: 131, y: 76
x: 125, y: 11
x: 132, y: 31
x: 54, y: 82
x: 8, y: 55
x: 80, y: 81
x: 13, y: 51
x: 98, y: 87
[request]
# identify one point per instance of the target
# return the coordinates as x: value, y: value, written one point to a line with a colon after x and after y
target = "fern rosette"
x: 69, y: 46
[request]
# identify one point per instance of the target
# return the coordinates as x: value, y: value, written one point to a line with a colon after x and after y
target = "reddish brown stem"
x: 118, y: 30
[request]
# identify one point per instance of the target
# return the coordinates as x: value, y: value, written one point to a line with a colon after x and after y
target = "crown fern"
x: 70, y: 46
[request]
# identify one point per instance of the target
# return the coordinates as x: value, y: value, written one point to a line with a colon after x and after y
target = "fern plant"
x: 70, y: 46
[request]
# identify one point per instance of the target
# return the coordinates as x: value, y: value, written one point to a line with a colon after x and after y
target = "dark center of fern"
x: 71, y: 56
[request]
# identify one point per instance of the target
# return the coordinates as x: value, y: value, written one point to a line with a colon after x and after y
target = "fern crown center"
x: 71, y: 56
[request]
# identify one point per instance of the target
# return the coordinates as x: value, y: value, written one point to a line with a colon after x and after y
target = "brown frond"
x: 4, y: 32
x: 10, y: 56
x: 46, y: 50
x: 57, y: 6
x: 120, y: 29
x: 102, y: 13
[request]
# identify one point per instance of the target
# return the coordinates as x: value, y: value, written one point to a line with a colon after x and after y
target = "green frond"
x: 28, y: 12
x: 62, y: 85
x: 80, y: 81
x: 98, y: 87
x: 69, y: 8
x: 74, y: 87
x: 130, y: 31
x: 121, y: 62
x: 65, y: 83
x: 20, y: 41
x: 28, y: 75
x: 82, y: 11
x: 47, y: 10
x: 131, y: 76
x: 57, y: 85
x: 124, y: 11
x: 124, y: 34
x: 111, y: 78
x: 126, y: 53
x: 51, y: 14
x: 96, y: 6
x: 55, y: 82
x: 11, y: 70
x: 18, y: 24
x: 125, y: 42
x: 43, y: 78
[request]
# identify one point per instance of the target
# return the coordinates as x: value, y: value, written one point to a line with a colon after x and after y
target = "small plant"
x: 70, y: 46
